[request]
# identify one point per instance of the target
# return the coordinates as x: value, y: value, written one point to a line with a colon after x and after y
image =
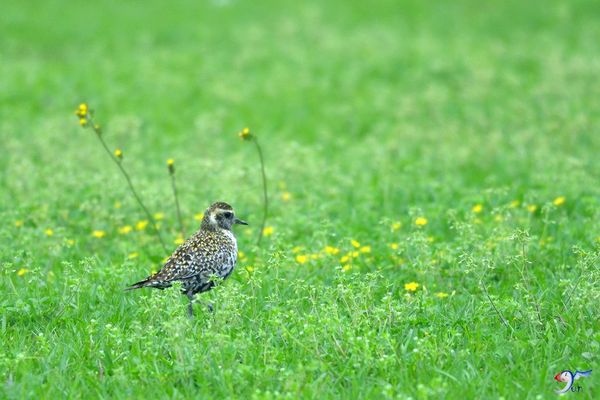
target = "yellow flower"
x: 70, y: 242
x: 301, y: 258
x: 171, y: 165
x: 559, y: 201
x: 82, y: 121
x: 354, y: 254
x: 249, y: 268
x: 119, y: 154
x: 22, y: 271
x: 117, y: 204
x: 394, y: 246
x: 396, y: 226
x: 18, y: 223
x: 98, y: 234
x: 158, y: 216
x: 346, y: 268
x: 514, y: 204
x: 420, y: 221
x: 124, y: 230
x: 331, y: 250
x: 179, y: 240
x: 477, y: 208
x: 268, y: 231
x: 314, y: 256
x: 141, y: 225
x: 199, y: 216
x: 241, y: 255
x: 355, y: 243
x: 441, y: 295
x: 49, y: 232
x: 411, y: 286
x: 286, y: 196
x: 532, y: 208
x: 365, y: 249
x: 133, y: 255
x: 297, y: 249
x: 245, y: 134
x: 345, y: 259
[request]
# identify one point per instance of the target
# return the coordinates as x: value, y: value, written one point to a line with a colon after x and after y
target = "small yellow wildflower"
x: 199, y: 216
x: 268, y: 231
x: 301, y: 258
x: 514, y: 204
x: 396, y: 225
x: 297, y: 249
x: 159, y: 216
x: 141, y: 225
x: 83, y: 121
x: 286, y: 196
x: 441, y: 295
x: 331, y: 250
x: 355, y: 243
x: 18, y: 223
x: 171, y: 166
x: 354, y: 254
x: 117, y: 204
x: 49, y: 232
x: 365, y: 249
x: 70, y: 242
x: 559, y: 201
x: 22, y: 271
x: 346, y: 267
x: 245, y: 134
x: 249, y: 268
x: 345, y: 259
x: 241, y: 255
x: 314, y: 256
x: 179, y: 240
x: 124, y: 230
x: 98, y: 234
x: 411, y: 286
x: 477, y: 208
x: 421, y: 221
x: 394, y: 246
x: 119, y: 154
x: 532, y: 208
x: 133, y: 255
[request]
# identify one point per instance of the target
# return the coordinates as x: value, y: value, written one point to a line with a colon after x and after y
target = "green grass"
x: 369, y: 113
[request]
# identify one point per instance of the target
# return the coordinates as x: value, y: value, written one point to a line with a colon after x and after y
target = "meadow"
x: 433, y: 171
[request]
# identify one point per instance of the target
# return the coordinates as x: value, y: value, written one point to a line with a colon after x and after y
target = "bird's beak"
x: 239, y: 221
x: 557, y: 377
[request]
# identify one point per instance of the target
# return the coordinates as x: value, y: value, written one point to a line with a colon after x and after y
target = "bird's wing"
x: 581, y: 374
x: 190, y: 259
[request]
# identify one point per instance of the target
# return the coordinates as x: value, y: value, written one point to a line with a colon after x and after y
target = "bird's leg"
x: 190, y: 296
x: 210, y: 307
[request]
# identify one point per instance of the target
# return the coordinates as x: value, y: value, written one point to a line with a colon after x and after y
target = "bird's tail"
x: 140, y: 284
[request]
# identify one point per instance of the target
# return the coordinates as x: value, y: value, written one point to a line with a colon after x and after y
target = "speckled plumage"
x: 210, y: 253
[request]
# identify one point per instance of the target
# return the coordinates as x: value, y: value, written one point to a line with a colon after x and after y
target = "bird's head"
x: 564, y: 376
x: 220, y: 215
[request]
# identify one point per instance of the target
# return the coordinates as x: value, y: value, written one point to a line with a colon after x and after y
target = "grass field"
x: 433, y: 172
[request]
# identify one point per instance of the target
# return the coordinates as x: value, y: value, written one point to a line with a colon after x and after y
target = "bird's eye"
x: 228, y: 214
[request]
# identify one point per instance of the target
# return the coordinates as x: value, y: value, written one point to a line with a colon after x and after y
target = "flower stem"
x: 265, y: 196
x: 128, y: 179
x: 174, y: 186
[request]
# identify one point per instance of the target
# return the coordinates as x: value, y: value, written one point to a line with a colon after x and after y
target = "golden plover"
x: 211, y: 252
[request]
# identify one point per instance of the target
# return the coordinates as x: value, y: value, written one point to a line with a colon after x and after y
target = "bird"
x: 208, y: 254
x: 570, y: 377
